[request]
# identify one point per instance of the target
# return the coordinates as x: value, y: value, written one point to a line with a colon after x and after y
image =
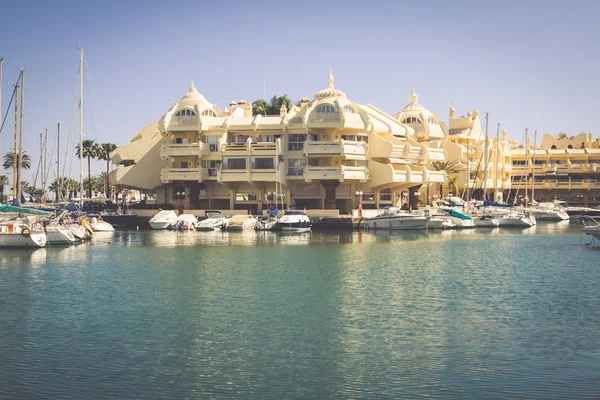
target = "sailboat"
x: 485, y: 220
x: 269, y: 222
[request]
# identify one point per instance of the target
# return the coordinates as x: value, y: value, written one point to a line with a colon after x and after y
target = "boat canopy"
x: 456, y: 214
x: 488, y: 203
x: 5, y: 208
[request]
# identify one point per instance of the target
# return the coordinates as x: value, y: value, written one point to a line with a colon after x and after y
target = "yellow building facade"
x: 328, y: 153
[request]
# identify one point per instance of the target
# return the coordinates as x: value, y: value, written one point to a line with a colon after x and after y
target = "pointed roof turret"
x: 192, y: 97
x: 330, y: 91
x: 413, y: 98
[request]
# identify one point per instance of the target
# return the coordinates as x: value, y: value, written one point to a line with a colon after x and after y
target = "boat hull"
x: 396, y: 223
x: 160, y: 225
x: 18, y: 240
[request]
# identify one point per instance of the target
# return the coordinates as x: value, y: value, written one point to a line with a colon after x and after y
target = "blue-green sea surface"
x: 173, y: 315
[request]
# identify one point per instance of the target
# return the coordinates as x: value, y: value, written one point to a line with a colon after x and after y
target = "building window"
x: 354, y: 163
x: 518, y: 162
x: 178, y: 192
x: 266, y: 139
x: 185, y: 112
x: 245, y: 196
x: 349, y: 137
x: 208, y: 113
x: 296, y: 167
x: 432, y: 121
x: 296, y: 141
x: 264, y: 163
x: 411, y: 120
x: 348, y: 110
x: 180, y: 164
x: 385, y: 195
x: 326, y: 108
x: 234, y: 163
x: 553, y: 147
x: 212, y: 166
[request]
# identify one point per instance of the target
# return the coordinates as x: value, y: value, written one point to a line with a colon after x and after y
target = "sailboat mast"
x: 20, y: 163
x: 45, y: 174
x: 496, y: 160
x: 15, y: 156
x: 533, y: 167
x: 81, y: 126
x: 59, y: 180
x: 485, y: 158
x: 526, y: 164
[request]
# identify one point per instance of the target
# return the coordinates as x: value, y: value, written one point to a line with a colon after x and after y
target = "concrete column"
x: 231, y: 198
x: 330, y: 185
x: 260, y: 196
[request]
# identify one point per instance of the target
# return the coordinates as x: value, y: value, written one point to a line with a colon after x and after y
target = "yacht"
x: 460, y: 220
x: 240, y: 223
x: 591, y: 226
x: 19, y: 231
x: 268, y: 223
x: 120, y: 219
x: 577, y: 212
x: 163, y: 219
x: 99, y: 225
x: 486, y: 221
x: 294, y: 221
x: 393, y: 218
x: 547, y: 211
x: 185, y: 222
x: 214, y: 220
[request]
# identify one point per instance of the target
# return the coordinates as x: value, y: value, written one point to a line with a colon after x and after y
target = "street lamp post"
x: 359, y: 194
x: 179, y: 196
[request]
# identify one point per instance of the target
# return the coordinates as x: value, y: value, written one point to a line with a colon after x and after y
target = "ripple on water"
x: 357, y: 315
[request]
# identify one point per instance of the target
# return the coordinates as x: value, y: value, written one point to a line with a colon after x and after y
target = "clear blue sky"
x: 530, y: 64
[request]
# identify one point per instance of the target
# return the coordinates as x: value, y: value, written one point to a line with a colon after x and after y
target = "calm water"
x: 456, y: 314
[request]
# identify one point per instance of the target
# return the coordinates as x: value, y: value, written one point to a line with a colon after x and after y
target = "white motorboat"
x: 163, y: 219
x: 393, y: 218
x: 294, y: 221
x: 486, y: 221
x: 591, y: 226
x: 268, y: 223
x: 460, y: 220
x: 99, y: 225
x: 240, y: 223
x: 547, y: 211
x: 185, y: 222
x: 576, y: 213
x: 515, y: 219
x: 59, y: 234
x: 18, y: 231
x: 214, y: 220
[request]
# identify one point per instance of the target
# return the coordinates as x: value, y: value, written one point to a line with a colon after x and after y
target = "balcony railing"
x: 340, y: 173
x: 181, y: 150
x: 180, y: 174
x: 335, y: 148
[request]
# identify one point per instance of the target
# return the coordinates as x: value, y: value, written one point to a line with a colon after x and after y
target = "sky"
x: 529, y: 64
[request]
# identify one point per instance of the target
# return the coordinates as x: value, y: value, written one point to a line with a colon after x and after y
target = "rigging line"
x: 69, y: 153
x: 10, y: 103
x: 96, y: 117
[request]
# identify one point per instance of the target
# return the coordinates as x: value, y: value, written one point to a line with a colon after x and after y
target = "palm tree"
x: 59, y: 185
x: 3, y: 182
x: 449, y: 169
x: 260, y: 107
x: 90, y: 150
x: 9, y: 159
x: 104, y: 154
x: 72, y: 187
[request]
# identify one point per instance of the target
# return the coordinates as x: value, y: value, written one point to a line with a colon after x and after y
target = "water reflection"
x: 14, y: 257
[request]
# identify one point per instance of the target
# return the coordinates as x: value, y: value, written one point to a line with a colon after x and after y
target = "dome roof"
x: 192, y: 97
x: 330, y: 91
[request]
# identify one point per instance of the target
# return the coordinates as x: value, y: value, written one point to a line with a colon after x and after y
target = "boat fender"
x: 25, y: 232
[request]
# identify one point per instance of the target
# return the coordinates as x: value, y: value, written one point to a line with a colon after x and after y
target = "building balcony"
x: 169, y: 150
x: 324, y: 120
x: 246, y: 175
x: 184, y: 123
x: 249, y: 148
x: 168, y: 175
x: 340, y: 173
x: 351, y: 150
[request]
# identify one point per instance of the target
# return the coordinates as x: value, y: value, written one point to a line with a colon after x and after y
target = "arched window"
x: 326, y: 108
x: 553, y: 147
x: 208, y: 113
x: 185, y: 112
x: 432, y: 121
x: 570, y: 146
x: 411, y: 120
x: 348, y: 110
